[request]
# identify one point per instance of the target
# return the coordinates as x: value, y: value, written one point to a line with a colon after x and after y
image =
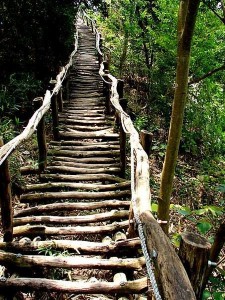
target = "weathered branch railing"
x: 36, y: 123
x: 172, y: 279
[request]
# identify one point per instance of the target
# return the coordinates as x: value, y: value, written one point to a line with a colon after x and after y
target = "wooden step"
x: 93, y: 218
x: 34, y: 197
x: 50, y: 285
x: 82, y: 247
x: 42, y: 230
x: 68, y: 206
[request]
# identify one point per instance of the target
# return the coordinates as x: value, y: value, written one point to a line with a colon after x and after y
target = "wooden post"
x: 217, y: 246
x: 120, y: 86
x: 100, y: 57
x: 194, y: 253
x: 146, y: 141
x: 106, y: 66
x: 55, y: 118
x: 6, y: 201
x: 106, y: 93
x: 60, y: 100
x: 92, y: 27
x: 123, y: 103
x: 41, y: 137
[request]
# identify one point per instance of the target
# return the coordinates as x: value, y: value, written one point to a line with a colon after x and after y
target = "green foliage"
x: 16, y: 98
x: 7, y: 129
x: 205, y: 219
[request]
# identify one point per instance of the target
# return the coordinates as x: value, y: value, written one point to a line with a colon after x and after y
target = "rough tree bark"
x: 186, y: 22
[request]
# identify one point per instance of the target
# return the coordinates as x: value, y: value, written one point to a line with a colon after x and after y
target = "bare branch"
x: 215, y: 12
x: 208, y: 74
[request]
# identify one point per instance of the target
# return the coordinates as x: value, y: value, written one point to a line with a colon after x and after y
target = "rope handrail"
x: 9, y: 147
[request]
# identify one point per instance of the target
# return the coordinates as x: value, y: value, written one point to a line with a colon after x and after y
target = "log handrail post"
x: 41, y: 137
x: 6, y: 200
x: 146, y: 141
x: 55, y: 117
x: 60, y: 100
x: 100, y: 57
x: 120, y: 87
x: 123, y: 103
x: 194, y: 253
x: 106, y: 93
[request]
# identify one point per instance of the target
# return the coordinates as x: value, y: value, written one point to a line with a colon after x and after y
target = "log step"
x: 50, y: 285
x: 81, y: 177
x: 41, y: 230
x: 78, y: 208
x: 30, y: 261
x: 83, y: 186
x: 68, y: 206
x: 73, y: 195
x: 93, y: 218
x: 82, y: 247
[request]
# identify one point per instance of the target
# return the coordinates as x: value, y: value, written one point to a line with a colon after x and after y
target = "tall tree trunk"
x: 186, y: 22
x: 124, y: 52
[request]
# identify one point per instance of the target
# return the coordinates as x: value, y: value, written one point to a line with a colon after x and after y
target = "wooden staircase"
x: 71, y: 240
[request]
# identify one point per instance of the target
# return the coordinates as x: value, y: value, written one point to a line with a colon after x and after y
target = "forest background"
x: 36, y: 38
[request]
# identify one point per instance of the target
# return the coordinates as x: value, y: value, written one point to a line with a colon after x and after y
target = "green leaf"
x: 200, y: 211
x: 185, y: 211
x: 215, y: 210
x: 206, y: 295
x: 176, y: 239
x: 204, y: 227
x: 219, y: 295
x: 154, y: 207
x: 221, y: 188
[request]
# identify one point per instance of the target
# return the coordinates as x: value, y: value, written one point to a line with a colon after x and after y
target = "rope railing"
x: 31, y: 127
x: 159, y: 254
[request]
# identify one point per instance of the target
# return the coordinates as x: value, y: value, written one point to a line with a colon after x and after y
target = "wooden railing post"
x: 146, y: 141
x: 106, y: 93
x: 60, y: 100
x: 123, y: 103
x: 55, y: 117
x: 67, y: 88
x: 100, y: 58
x: 6, y: 201
x: 41, y: 137
x: 194, y: 253
x: 120, y: 86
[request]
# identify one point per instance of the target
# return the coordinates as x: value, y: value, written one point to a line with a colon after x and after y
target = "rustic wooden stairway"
x: 71, y: 237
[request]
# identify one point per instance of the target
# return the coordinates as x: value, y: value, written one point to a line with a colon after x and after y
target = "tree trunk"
x: 186, y: 22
